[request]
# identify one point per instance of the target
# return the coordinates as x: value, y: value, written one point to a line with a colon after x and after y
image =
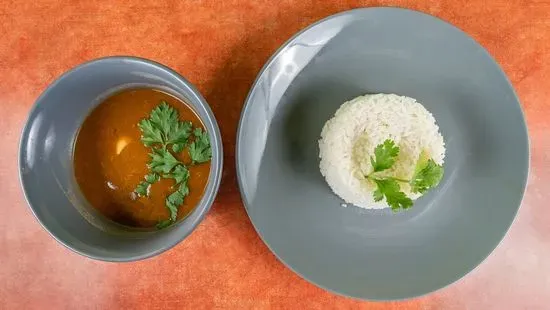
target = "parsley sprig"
x: 144, y: 186
x: 427, y: 175
x: 164, y: 133
x: 200, y: 150
x: 163, y: 128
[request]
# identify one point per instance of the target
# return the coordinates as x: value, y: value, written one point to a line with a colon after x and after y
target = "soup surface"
x: 110, y: 160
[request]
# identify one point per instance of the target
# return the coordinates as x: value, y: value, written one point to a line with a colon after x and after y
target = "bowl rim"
x: 216, y: 166
x: 280, y: 51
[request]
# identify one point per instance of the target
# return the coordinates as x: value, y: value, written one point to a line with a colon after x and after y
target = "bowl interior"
x: 377, y: 254
x: 46, y: 165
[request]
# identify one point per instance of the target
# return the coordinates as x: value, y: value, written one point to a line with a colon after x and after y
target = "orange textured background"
x: 220, y: 46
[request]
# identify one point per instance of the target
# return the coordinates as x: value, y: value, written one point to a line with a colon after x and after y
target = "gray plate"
x: 376, y: 254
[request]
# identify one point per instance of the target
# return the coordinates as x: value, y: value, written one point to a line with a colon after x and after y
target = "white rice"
x: 349, y: 138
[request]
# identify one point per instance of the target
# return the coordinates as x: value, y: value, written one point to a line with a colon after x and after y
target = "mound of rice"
x: 349, y: 138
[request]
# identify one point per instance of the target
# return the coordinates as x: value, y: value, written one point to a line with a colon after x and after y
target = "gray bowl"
x: 46, y: 166
x: 377, y: 254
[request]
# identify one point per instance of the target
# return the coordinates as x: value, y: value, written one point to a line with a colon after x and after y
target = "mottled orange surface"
x: 220, y: 46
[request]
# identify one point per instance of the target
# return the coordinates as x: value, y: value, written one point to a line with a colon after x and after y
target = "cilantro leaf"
x: 200, y: 150
x: 385, y: 155
x: 377, y: 195
x: 162, y: 132
x: 174, y: 200
x: 178, y: 147
x: 163, y: 127
x: 142, y: 188
x: 173, y: 208
x: 162, y: 161
x: 184, y: 189
x: 164, y: 223
x: 427, y: 177
x: 163, y: 117
x: 399, y: 200
x: 178, y: 135
x: 180, y: 174
x: 395, y: 198
x: 150, y: 134
x: 151, y: 178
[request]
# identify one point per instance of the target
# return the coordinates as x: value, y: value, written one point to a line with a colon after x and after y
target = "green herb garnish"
x: 427, y: 175
x: 143, y: 187
x: 385, y: 155
x: 164, y: 223
x: 180, y: 174
x: 163, y: 127
x: 200, y: 150
x: 389, y: 188
x: 164, y: 133
x: 162, y: 161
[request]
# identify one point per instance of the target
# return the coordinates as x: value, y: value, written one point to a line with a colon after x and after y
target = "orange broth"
x: 110, y: 160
